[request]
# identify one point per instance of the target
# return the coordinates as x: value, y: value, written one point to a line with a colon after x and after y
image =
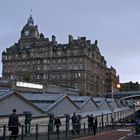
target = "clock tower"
x: 30, y: 30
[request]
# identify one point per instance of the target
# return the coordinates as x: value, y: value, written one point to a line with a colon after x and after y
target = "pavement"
x: 122, y: 133
x: 119, y: 134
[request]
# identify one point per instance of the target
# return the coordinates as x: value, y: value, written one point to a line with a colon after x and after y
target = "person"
x: 90, y: 122
x: 74, y: 123
x: 13, y: 124
x: 57, y: 123
x: 95, y: 125
x: 78, y: 126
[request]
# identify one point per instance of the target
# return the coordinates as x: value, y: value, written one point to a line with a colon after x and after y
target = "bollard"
x: 102, y: 122
x: 49, y: 127
x: 84, y: 128
x: 89, y: 125
x: 88, y: 129
x: 28, y: 118
x: 4, y: 132
x: 67, y: 120
x: 66, y: 126
x: 22, y: 132
x: 36, y: 131
x: 107, y: 118
x: 105, y: 126
x: 51, y: 121
x: 112, y: 121
x: 100, y: 126
x: 57, y: 132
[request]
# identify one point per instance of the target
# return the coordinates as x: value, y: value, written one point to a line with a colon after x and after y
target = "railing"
x: 65, y: 131
x: 48, y: 132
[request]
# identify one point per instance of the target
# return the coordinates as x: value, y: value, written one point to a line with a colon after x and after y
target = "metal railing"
x: 64, y: 131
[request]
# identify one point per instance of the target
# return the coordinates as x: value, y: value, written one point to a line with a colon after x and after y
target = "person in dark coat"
x: 91, y: 120
x: 95, y: 126
x: 57, y: 123
x: 13, y: 124
x: 74, y: 123
x: 78, y: 127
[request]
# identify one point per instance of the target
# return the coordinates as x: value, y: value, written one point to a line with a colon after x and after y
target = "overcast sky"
x: 114, y: 23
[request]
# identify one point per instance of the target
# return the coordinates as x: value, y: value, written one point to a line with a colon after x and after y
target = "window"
x: 75, y: 67
x: 80, y: 66
x: 76, y: 85
x: 38, y: 76
x: 80, y: 59
x: 54, y: 76
x: 24, y: 55
x: 53, y: 61
x: 76, y: 75
x: 63, y: 76
x: 16, y: 55
x: 45, y: 61
x: 44, y: 76
x: 64, y: 61
x: 59, y: 53
x: 59, y: 60
x: 59, y: 67
x: 48, y: 61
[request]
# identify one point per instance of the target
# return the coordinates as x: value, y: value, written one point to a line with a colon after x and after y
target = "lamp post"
x: 118, y: 86
x: 112, y: 98
x: 112, y: 108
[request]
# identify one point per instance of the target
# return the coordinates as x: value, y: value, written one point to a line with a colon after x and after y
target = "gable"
x: 13, y: 101
x: 88, y: 106
x: 64, y: 107
x: 104, y: 105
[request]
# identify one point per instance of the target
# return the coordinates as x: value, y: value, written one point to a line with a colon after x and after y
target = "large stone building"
x: 112, y: 80
x: 78, y: 64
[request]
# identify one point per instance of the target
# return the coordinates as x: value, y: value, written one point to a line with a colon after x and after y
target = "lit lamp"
x: 112, y: 98
x: 118, y: 86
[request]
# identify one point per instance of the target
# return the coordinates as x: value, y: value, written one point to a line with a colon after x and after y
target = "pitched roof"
x: 42, y: 97
x: 46, y: 101
x: 99, y: 100
x: 81, y: 100
x: 6, y: 93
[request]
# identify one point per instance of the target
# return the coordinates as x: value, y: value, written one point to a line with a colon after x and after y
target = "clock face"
x: 26, y: 33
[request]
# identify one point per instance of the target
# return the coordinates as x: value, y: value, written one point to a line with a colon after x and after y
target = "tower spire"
x: 30, y: 20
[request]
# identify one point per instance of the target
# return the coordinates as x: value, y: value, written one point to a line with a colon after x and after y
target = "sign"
x: 29, y: 85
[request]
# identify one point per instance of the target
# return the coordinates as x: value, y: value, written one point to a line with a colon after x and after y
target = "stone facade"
x: 37, y: 59
x: 112, y: 80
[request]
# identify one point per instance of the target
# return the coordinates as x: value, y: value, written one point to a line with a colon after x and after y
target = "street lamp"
x: 118, y: 86
x: 112, y: 108
x: 112, y: 98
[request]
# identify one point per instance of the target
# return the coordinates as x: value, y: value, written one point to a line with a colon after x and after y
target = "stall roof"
x: 46, y: 101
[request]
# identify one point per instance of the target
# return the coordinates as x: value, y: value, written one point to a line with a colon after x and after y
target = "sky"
x: 114, y: 23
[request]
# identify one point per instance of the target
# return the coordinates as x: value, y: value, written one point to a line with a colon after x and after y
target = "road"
x: 120, y: 134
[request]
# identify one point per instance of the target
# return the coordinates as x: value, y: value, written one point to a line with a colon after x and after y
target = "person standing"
x: 95, y: 126
x: 57, y: 123
x: 78, y: 124
x: 90, y: 121
x: 74, y: 123
x: 13, y: 124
